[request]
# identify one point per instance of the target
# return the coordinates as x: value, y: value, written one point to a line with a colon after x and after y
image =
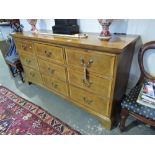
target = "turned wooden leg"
x: 124, y: 116
x: 20, y: 70
x: 21, y: 76
x: 11, y: 70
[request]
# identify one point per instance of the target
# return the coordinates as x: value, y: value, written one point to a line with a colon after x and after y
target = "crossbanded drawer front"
x: 29, y: 61
x: 32, y: 75
x: 24, y: 46
x: 50, y: 53
x: 97, y: 85
x: 56, y: 85
x: 52, y: 70
x: 100, y: 63
x: 89, y: 100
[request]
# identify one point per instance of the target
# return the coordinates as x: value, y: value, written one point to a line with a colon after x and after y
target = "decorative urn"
x: 33, y: 23
x: 105, y: 23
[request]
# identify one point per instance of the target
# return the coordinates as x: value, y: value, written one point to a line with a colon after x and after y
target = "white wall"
x: 92, y: 25
x: 86, y: 25
x: 144, y: 27
x: 5, y: 31
x: 45, y: 24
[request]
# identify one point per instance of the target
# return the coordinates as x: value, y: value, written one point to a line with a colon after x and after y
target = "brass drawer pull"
x: 90, y: 61
x: 48, y: 54
x: 28, y: 61
x: 54, y: 85
x: 85, y: 76
x: 86, y: 83
x: 51, y: 71
x: 24, y: 47
x: 87, y: 101
x: 81, y: 61
x: 85, y: 79
x: 32, y: 74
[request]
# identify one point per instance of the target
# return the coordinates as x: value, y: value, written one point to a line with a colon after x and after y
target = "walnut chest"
x: 91, y: 73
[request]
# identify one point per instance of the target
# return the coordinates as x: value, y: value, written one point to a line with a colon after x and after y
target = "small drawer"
x: 100, y: 63
x: 29, y: 61
x: 89, y: 100
x: 24, y: 46
x: 55, y: 85
x: 97, y: 85
x: 52, y: 70
x: 32, y: 76
x: 50, y: 53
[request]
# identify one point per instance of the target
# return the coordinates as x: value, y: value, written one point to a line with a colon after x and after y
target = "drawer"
x: 99, y: 62
x: 89, y: 100
x: 32, y: 75
x: 29, y: 61
x: 24, y: 46
x: 56, y: 85
x: 97, y: 85
x: 50, y: 53
x: 52, y: 70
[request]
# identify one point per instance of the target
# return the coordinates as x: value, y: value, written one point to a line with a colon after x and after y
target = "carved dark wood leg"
x: 11, y: 70
x: 20, y: 70
x: 21, y: 76
x: 124, y: 116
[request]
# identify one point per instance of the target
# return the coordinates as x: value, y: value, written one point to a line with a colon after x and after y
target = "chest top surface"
x: 115, y: 45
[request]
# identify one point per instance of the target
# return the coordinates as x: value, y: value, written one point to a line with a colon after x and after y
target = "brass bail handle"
x: 24, y: 46
x: 51, y: 71
x: 87, y: 101
x: 28, y: 61
x: 48, y: 53
x: 88, y: 64
x: 85, y: 72
x: 85, y: 66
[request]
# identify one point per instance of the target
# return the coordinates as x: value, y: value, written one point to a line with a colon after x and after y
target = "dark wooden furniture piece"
x: 91, y: 73
x: 18, y: 67
x: 129, y: 104
x: 4, y: 47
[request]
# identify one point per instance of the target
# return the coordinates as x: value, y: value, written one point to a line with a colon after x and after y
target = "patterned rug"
x: 21, y: 117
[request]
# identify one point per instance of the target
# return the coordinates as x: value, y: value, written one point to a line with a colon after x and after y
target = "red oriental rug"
x: 21, y: 117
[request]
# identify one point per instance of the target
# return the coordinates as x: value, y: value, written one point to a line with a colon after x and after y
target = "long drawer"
x: 50, y: 53
x: 99, y: 86
x: 33, y: 75
x: 89, y: 100
x: 52, y: 70
x: 100, y: 63
x: 29, y: 60
x: 24, y: 46
x: 56, y: 85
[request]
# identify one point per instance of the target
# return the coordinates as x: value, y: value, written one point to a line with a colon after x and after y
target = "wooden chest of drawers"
x: 91, y: 73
